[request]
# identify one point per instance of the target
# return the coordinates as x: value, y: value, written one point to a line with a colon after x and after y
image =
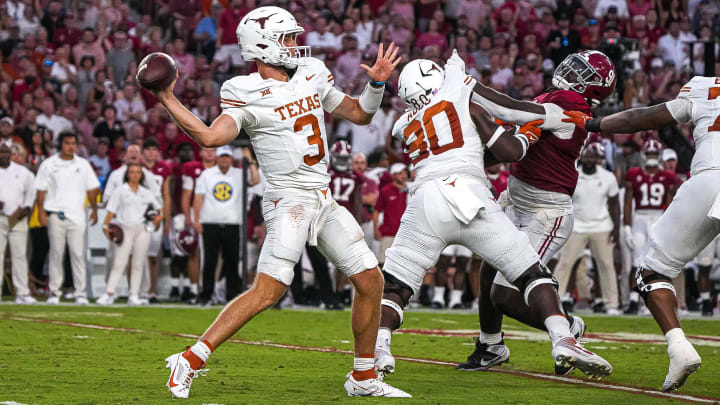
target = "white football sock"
x: 490, y: 338
x: 558, y: 327
x: 634, y: 296
x: 675, y: 335
x: 174, y: 282
x: 383, y: 339
x: 439, y: 294
x: 456, y: 297
x: 705, y: 296
x: 201, y: 350
x: 194, y: 288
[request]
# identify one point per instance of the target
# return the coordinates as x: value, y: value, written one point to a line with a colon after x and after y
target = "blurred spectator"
x: 129, y: 105
x: 7, y: 133
x: 110, y: 127
x: 475, y: 11
x: 16, y: 201
x: 118, y: 58
x: 62, y: 183
x: 227, y: 51
x: 100, y: 160
x: 605, y: 7
x: 321, y: 40
x: 564, y: 40
x: 391, y: 202
x: 90, y: 45
x: 671, y: 46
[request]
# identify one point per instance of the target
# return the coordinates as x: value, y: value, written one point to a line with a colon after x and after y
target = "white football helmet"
x: 419, y: 80
x: 261, y: 35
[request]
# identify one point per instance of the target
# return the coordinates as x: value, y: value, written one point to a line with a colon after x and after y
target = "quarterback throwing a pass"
x: 690, y: 222
x: 282, y: 108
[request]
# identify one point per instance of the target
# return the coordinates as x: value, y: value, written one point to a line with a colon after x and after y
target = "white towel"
x: 714, y: 211
x: 463, y: 203
x: 325, y: 201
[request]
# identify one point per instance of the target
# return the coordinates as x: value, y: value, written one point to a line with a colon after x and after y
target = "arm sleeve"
x: 332, y: 99
x: 187, y: 182
x: 680, y: 109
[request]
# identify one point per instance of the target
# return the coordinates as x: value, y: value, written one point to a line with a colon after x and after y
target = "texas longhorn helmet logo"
x: 262, y: 20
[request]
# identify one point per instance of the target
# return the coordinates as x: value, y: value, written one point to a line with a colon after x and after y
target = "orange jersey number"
x: 427, y: 140
x: 314, y: 139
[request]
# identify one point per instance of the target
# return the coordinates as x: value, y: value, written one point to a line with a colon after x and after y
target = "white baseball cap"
x: 8, y: 120
x: 224, y: 151
x: 397, y: 168
x: 669, y: 154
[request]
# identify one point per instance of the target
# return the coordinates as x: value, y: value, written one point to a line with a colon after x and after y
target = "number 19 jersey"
x: 441, y: 137
x: 285, y: 122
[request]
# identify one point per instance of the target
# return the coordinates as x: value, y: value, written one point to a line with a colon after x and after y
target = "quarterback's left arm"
x: 361, y: 110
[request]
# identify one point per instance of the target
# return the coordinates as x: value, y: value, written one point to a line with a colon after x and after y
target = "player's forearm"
x: 633, y: 120
x: 192, y: 125
x: 92, y: 197
x: 185, y: 203
x: 627, y: 208
x: 197, y: 204
x: 40, y: 199
x: 614, y: 210
x: 507, y: 108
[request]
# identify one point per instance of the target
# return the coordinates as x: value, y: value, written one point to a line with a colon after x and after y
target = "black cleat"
x: 485, y: 356
x: 568, y: 306
x: 599, y: 308
x: 187, y: 295
x: 154, y: 300
x: 707, y: 308
x: 633, y: 309
x: 174, y: 295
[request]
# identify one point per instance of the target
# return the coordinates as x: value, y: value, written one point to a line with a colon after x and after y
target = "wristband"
x: 378, y: 84
x: 593, y: 125
x: 499, y: 131
x: 525, y: 143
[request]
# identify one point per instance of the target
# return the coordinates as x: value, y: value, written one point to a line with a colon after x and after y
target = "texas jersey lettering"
x: 285, y: 121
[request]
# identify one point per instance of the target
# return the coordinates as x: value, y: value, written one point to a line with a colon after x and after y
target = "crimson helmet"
x: 341, y: 156
x: 186, y: 240
x: 116, y: 233
x: 652, y: 147
x: 589, y: 73
x: 595, y: 148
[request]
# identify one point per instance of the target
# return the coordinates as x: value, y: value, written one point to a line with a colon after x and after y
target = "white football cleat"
x: 106, y: 299
x: 373, y: 387
x: 181, y: 376
x: 25, y: 300
x: 134, y: 301
x: 53, y: 300
x: 684, y: 360
x: 81, y: 301
x: 384, y: 362
x: 567, y: 352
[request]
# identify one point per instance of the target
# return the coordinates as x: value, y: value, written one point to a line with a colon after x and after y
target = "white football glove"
x: 627, y: 234
x: 455, y: 60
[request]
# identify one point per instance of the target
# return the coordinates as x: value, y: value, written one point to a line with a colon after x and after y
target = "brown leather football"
x: 156, y: 71
x: 116, y: 233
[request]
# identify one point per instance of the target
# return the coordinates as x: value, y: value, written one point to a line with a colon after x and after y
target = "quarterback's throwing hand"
x: 578, y: 118
x: 384, y: 64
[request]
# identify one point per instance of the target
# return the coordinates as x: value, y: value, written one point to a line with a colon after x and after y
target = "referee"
x: 218, y: 214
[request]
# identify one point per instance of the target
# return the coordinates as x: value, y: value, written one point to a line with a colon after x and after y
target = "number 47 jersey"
x: 285, y: 122
x: 441, y: 137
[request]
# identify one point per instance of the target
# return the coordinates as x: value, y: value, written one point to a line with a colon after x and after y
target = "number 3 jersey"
x: 441, y: 137
x: 285, y: 122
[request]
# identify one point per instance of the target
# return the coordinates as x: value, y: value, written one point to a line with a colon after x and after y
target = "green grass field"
x: 50, y: 363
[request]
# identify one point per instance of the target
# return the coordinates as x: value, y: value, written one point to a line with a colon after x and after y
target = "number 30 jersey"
x: 285, y: 122
x: 440, y: 137
x: 699, y: 102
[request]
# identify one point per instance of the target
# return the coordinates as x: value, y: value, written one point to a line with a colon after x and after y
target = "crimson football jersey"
x: 344, y: 187
x: 189, y: 169
x: 550, y: 164
x: 162, y: 169
x: 650, y: 192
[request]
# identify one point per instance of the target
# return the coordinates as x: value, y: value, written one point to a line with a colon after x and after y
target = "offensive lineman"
x: 282, y: 108
x: 452, y: 204
x: 690, y: 222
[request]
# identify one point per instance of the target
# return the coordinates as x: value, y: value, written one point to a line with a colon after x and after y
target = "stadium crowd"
x: 68, y: 72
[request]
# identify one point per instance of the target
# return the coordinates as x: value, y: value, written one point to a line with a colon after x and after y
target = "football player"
x: 445, y: 135
x: 651, y: 188
x: 282, y: 108
x: 539, y: 193
x: 690, y: 223
x: 461, y: 256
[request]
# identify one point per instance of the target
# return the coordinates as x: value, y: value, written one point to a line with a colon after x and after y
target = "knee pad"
x: 536, y: 276
x: 396, y: 289
x: 652, y: 281
x: 395, y: 307
x: 461, y: 264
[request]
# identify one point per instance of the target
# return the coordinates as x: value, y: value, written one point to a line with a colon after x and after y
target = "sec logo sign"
x: 222, y: 191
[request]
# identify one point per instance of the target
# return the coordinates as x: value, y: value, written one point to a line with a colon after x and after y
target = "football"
x: 156, y: 71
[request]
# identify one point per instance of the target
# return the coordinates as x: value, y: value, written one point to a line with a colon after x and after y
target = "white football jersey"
x: 441, y: 137
x: 699, y: 102
x: 285, y: 122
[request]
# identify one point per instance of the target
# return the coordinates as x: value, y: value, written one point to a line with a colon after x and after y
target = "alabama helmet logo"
x: 222, y: 191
